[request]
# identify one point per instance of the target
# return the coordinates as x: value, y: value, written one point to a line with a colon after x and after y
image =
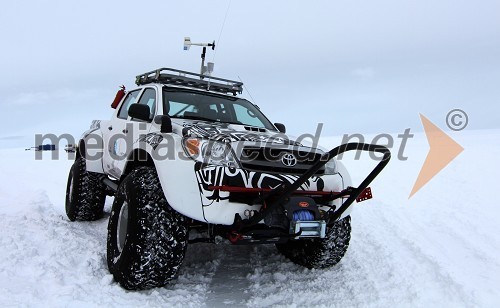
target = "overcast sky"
x: 357, y: 66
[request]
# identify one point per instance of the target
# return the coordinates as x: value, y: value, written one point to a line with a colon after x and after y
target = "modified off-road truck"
x: 189, y: 161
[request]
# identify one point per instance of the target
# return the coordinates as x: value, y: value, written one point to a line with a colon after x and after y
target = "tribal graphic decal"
x: 153, y: 139
x: 218, y: 176
x: 224, y: 132
x: 96, y: 124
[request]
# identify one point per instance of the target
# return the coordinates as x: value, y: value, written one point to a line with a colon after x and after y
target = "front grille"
x: 270, y: 160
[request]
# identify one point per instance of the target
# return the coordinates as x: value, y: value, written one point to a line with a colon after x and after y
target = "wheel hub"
x: 70, y: 192
x: 121, y: 232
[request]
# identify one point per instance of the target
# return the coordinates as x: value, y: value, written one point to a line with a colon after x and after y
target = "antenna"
x: 209, y: 68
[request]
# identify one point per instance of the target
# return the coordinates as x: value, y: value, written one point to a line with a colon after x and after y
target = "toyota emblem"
x: 289, y: 160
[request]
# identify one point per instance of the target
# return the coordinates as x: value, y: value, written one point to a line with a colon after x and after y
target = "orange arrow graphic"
x: 442, y: 151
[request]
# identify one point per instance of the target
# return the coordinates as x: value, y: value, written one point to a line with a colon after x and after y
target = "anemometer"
x: 209, y: 68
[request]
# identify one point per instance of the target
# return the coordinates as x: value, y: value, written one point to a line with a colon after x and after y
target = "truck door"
x: 114, y: 136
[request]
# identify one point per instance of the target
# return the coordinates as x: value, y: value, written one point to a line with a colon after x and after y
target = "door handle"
x: 110, y: 127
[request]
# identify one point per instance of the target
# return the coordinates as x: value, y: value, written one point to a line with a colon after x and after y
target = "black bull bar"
x: 280, y: 194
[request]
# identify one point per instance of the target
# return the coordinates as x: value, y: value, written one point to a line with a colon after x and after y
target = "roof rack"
x: 181, y: 79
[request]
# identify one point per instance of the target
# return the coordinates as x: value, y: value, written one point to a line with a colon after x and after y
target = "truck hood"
x: 228, y: 132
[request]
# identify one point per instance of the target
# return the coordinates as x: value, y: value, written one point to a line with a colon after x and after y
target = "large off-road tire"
x: 147, y: 239
x: 320, y: 253
x: 85, y: 193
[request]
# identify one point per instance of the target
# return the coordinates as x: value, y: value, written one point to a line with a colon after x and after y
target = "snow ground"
x: 440, y: 248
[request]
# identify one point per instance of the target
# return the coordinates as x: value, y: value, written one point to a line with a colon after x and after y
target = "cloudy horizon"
x: 356, y: 67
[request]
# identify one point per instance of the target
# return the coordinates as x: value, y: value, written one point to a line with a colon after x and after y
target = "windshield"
x: 185, y: 104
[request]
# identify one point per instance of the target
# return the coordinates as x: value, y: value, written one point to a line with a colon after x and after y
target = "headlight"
x: 331, y: 167
x: 210, y: 152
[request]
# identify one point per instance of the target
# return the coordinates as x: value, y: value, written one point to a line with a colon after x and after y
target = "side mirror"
x: 165, y: 123
x: 280, y: 127
x: 139, y: 111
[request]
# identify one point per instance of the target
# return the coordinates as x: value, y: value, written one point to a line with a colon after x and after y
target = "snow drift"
x: 441, y: 247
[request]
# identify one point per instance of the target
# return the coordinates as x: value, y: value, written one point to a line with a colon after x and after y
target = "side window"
x: 149, y: 98
x: 129, y: 100
x: 247, y: 116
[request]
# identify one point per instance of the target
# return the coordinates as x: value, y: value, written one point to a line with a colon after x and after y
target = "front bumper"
x: 227, y: 192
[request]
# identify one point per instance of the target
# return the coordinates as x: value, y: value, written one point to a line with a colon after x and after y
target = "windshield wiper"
x: 194, y: 117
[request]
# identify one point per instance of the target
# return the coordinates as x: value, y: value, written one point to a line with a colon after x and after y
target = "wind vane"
x: 209, y: 68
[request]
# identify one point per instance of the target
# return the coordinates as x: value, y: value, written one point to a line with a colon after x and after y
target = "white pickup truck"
x: 189, y: 161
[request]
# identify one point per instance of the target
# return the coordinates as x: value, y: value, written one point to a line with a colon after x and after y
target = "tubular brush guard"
x: 279, y: 196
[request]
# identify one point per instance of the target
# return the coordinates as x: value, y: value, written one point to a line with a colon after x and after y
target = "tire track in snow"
x: 409, y: 258
x: 50, y: 261
x: 381, y: 268
x: 229, y: 286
